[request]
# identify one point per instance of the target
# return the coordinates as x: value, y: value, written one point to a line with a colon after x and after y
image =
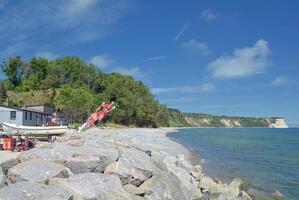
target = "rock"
x: 45, y: 145
x: 197, y: 168
x: 58, y: 154
x: 132, y: 189
x: 139, y: 160
x: 36, y: 171
x: 257, y: 194
x: 206, y: 195
x: 76, y: 142
x: 207, y: 183
x: 165, y: 186
x: 133, y: 167
x: 237, y: 182
x: 85, y: 163
x: 277, y: 194
x: 2, y: 178
x: 6, y: 165
x: 92, y: 186
x: 195, y: 175
x: 246, y: 196
x: 126, y: 173
x: 33, y: 191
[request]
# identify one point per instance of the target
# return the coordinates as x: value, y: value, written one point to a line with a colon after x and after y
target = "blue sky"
x: 221, y: 57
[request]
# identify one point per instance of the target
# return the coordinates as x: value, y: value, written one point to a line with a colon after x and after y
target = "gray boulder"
x: 7, y: 164
x: 126, y: 173
x: 36, y: 171
x: 133, y: 167
x: 132, y: 189
x: 165, y: 186
x: 2, y: 178
x: 85, y: 163
x: 92, y: 186
x: 33, y: 191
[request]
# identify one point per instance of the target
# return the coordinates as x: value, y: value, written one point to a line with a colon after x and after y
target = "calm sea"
x: 266, y: 159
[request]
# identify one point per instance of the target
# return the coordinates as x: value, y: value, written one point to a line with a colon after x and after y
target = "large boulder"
x: 7, y: 164
x: 36, y: 171
x: 59, y: 153
x: 85, y: 163
x: 126, y: 173
x: 92, y: 186
x: 133, y: 167
x: 165, y: 186
x: 2, y: 178
x: 33, y: 191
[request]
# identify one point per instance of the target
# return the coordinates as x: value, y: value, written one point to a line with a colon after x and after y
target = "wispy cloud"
x: 243, y: 62
x: 155, y: 58
x: 181, y: 31
x: 208, y: 15
x: 78, y: 20
x: 206, y: 87
x: 102, y: 61
x: 134, y: 72
x: 280, y: 81
x: 47, y: 55
x: 197, y: 46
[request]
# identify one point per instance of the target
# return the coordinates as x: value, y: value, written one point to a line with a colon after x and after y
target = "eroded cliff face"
x: 279, y: 123
x: 234, y: 122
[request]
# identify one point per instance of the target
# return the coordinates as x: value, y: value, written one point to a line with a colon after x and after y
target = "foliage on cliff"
x: 76, y: 88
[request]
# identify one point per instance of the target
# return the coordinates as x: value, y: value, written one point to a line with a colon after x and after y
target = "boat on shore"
x: 34, y: 130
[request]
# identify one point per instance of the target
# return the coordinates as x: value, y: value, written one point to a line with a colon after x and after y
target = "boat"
x: 34, y: 130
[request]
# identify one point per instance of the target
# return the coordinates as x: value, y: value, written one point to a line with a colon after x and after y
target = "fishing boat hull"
x: 34, y: 130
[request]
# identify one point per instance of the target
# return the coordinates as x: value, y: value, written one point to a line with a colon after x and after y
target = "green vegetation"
x: 76, y: 88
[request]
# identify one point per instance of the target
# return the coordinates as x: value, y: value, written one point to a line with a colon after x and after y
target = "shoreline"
x: 133, y: 163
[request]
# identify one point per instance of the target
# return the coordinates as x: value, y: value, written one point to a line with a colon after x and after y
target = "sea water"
x: 266, y: 159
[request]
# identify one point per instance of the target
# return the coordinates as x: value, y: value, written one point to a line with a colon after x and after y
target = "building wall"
x: 35, y: 120
x: 5, y: 115
x: 42, y: 108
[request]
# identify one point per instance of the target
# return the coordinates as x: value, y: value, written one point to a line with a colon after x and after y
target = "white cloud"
x: 182, y: 31
x: 47, y: 55
x: 64, y: 22
x: 134, y: 72
x: 197, y: 46
x: 156, y: 58
x: 281, y: 80
x: 208, y: 15
x: 102, y: 61
x: 205, y: 87
x: 243, y: 62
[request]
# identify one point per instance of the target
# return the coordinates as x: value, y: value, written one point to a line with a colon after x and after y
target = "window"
x: 30, y: 116
x: 13, y: 115
x: 26, y: 113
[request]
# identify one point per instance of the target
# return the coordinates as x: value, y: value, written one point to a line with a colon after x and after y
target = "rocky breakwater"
x: 114, y: 164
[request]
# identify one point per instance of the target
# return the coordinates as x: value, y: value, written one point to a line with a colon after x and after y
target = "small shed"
x: 23, y: 116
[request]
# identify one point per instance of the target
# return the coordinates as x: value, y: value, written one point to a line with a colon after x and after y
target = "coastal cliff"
x: 112, y: 164
x: 180, y: 119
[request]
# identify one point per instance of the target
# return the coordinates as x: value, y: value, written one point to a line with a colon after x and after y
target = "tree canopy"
x: 80, y: 87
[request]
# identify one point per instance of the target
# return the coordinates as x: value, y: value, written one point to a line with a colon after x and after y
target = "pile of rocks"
x: 112, y: 164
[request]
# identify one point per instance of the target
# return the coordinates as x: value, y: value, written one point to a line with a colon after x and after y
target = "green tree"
x: 14, y: 70
x: 75, y: 103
